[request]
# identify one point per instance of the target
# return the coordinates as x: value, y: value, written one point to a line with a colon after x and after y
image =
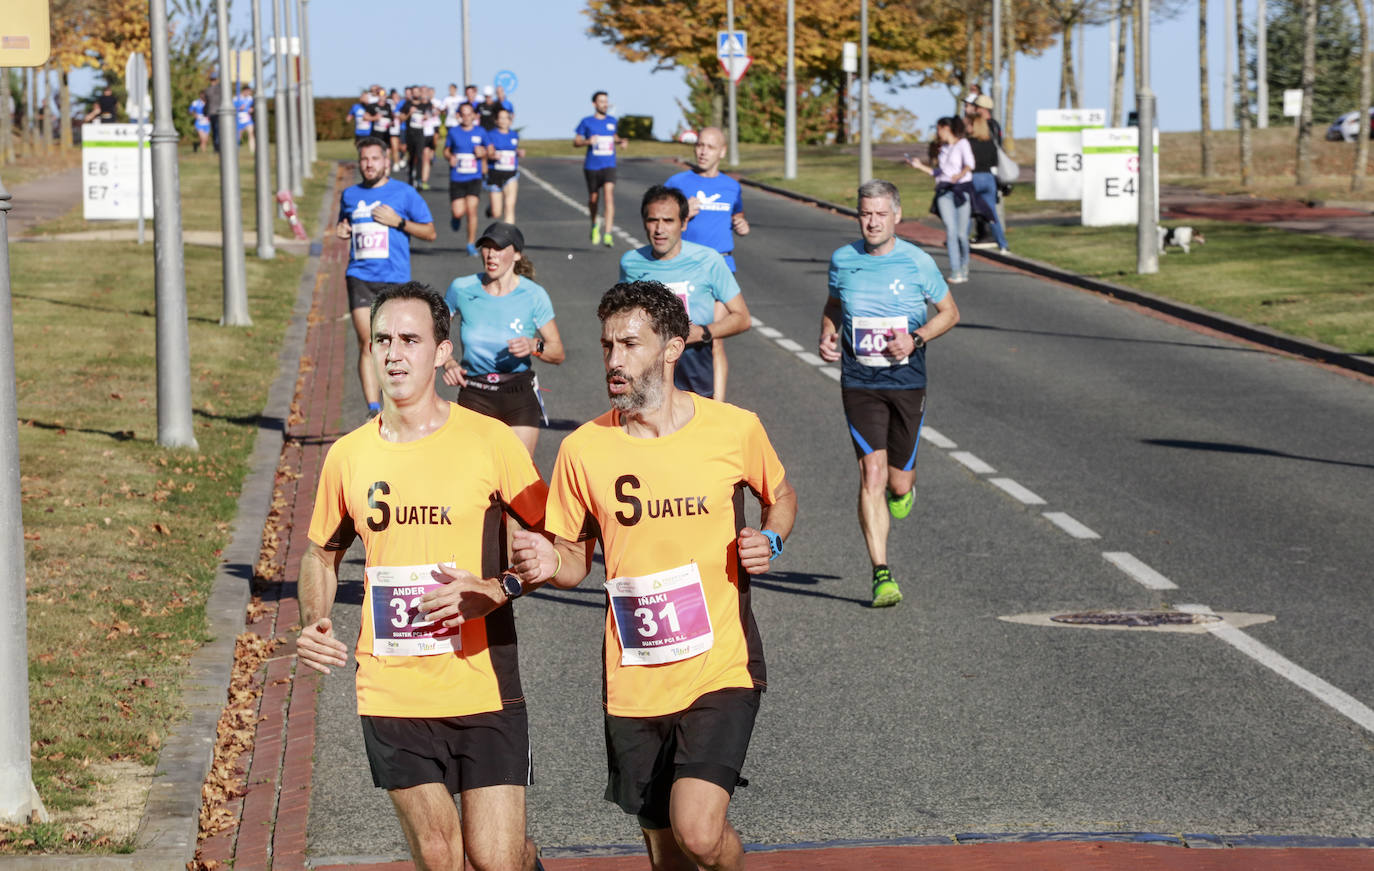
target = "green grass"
x: 1315, y: 287
x: 123, y: 537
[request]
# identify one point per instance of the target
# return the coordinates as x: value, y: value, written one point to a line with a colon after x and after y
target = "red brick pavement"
x: 274, y: 811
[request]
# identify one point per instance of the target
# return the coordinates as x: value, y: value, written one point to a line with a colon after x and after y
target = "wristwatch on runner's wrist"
x: 511, y: 586
x: 539, y: 346
x: 705, y: 335
x: 774, y: 543
x: 920, y: 342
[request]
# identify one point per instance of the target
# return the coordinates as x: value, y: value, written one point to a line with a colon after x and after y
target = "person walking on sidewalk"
x: 379, y: 215
x: 438, y: 678
x: 876, y: 324
x: 951, y: 165
x: 505, y: 321
x: 984, y: 147
x: 659, y: 481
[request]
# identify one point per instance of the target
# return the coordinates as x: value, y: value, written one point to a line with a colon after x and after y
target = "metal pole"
x: 262, y: 169
x: 1146, y: 236
x: 293, y: 125
x: 230, y: 208
x: 302, y: 111
x: 1262, y: 64
x: 865, y: 116
x: 19, y: 801
x: 730, y: 83
x: 174, y: 423
x: 789, y: 154
x: 279, y: 99
x: 467, y: 54
x: 1113, y: 38
x: 1228, y: 93
x: 308, y: 90
x: 996, y: 58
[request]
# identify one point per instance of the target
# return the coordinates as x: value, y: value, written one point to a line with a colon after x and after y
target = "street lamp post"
x: 730, y: 77
x: 865, y: 110
x: 293, y: 92
x: 1146, y: 238
x: 280, y: 99
x: 304, y: 136
x: 789, y: 157
x: 230, y: 209
x: 262, y: 170
x: 311, y: 152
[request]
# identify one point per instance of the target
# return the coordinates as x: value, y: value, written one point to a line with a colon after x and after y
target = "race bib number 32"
x: 871, y: 336
x: 661, y: 617
x: 398, y: 627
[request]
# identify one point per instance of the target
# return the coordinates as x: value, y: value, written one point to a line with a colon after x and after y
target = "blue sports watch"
x: 774, y: 543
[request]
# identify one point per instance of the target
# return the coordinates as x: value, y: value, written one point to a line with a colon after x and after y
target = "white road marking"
x: 975, y: 465
x: 1016, y: 491
x: 765, y: 330
x: 788, y: 345
x: 811, y: 358
x: 1069, y: 525
x: 1139, y: 571
x: 1342, y: 702
x: 581, y: 207
x: 832, y: 374
x: 935, y: 437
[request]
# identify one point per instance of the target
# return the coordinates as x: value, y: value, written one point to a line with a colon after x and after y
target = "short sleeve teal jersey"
x: 698, y: 275
x: 879, y: 294
x: 489, y: 322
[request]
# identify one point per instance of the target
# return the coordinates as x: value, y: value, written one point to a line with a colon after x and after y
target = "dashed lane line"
x: 1016, y: 491
x: 1139, y: 571
x: 1069, y: 525
x: 974, y: 465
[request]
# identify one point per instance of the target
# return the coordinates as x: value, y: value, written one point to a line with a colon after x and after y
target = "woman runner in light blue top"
x: 503, y: 320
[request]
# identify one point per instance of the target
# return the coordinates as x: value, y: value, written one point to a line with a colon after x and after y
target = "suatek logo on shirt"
x: 364, y: 209
x: 672, y: 506
x: 402, y: 515
x: 711, y: 203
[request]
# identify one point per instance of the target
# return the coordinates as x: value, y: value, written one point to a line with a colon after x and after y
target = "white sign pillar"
x: 1111, y: 177
x: 1058, y: 151
x: 111, y: 157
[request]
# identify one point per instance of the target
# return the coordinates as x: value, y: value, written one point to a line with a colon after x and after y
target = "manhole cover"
x: 1135, y: 618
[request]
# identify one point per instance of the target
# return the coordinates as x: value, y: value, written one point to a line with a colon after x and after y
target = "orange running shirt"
x: 438, y: 499
x: 661, y: 504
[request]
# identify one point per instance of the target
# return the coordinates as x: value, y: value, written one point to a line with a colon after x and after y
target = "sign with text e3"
x: 1059, y: 151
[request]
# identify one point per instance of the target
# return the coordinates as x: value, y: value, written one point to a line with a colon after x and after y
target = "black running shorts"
x: 598, y: 177
x: 696, y: 370
x: 497, y: 179
x: 645, y: 756
x: 460, y: 189
x: 514, y: 400
x: 887, y: 420
x: 463, y: 753
x: 362, y: 293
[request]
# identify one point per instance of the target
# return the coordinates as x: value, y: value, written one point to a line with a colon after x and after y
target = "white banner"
x: 1111, y: 176
x: 109, y: 172
x: 1058, y: 151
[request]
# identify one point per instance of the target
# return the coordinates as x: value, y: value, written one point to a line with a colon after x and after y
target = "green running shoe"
x: 885, y: 590
x: 596, y: 234
x: 900, y: 506
x: 607, y: 239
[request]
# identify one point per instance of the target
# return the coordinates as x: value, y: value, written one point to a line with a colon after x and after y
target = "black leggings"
x: 415, y: 145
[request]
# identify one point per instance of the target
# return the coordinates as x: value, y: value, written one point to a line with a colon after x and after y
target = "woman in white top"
x: 954, y: 194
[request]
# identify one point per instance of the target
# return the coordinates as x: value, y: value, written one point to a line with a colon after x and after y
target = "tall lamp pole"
x: 730, y: 76
x: 293, y: 105
x: 865, y: 110
x: 280, y: 99
x: 1146, y: 235
x: 230, y: 208
x: 306, y: 136
x: 789, y: 157
x: 262, y: 170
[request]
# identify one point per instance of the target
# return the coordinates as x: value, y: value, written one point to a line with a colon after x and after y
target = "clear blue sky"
x: 544, y: 42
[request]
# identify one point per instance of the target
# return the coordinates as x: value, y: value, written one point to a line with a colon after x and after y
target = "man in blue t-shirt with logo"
x: 597, y: 133
x: 716, y: 216
x: 697, y: 275
x: 465, y: 148
x: 363, y: 115
x: 379, y: 216
x: 243, y: 116
x: 876, y: 323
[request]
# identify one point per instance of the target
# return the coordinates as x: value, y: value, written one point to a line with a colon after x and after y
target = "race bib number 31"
x: 871, y: 337
x: 661, y: 617
x: 398, y: 628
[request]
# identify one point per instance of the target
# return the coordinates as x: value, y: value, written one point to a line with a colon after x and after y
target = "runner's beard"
x: 646, y: 391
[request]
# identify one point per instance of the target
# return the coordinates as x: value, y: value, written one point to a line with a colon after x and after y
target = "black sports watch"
x: 705, y: 335
x: 539, y: 346
x: 511, y: 586
x: 920, y: 342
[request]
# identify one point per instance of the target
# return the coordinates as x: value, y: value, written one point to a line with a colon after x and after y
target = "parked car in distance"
x: 1346, y: 127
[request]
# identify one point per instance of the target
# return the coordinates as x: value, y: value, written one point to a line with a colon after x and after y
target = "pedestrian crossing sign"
x: 731, y: 44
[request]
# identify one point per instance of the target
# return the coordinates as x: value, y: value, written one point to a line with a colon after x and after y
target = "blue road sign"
x: 728, y: 47
x: 507, y: 80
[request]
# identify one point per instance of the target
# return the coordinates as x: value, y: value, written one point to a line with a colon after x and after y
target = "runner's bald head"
x: 712, y: 133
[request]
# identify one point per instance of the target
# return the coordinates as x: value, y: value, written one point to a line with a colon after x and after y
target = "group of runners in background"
x: 655, y: 481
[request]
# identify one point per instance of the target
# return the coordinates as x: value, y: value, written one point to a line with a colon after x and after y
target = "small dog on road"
x: 1183, y: 237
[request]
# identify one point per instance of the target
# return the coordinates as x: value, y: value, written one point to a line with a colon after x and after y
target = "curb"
x: 1239, y: 329
x: 170, y: 824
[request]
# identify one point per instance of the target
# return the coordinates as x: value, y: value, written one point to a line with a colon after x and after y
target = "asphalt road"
x: 1243, y: 478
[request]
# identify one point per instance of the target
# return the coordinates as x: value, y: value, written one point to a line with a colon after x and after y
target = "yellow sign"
x: 25, y: 40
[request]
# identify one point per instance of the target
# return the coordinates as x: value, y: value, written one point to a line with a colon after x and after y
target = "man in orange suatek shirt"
x: 660, y: 481
x: 428, y: 485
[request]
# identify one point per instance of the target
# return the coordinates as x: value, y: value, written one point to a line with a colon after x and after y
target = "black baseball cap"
x: 503, y: 235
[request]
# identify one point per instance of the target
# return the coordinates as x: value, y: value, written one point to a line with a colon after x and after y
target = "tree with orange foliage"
x: 95, y: 33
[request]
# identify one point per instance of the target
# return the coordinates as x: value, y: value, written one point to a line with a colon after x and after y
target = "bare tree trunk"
x: 6, y: 147
x: 1068, y: 93
x: 1204, y: 93
x: 1243, y: 99
x: 1009, y: 16
x: 842, y: 110
x: 1136, y: 46
x: 1362, y: 141
x: 1309, y: 80
x: 1123, y: 17
x: 45, y: 128
x: 975, y: 38
x: 64, y: 100
x: 970, y: 52
x: 988, y: 53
